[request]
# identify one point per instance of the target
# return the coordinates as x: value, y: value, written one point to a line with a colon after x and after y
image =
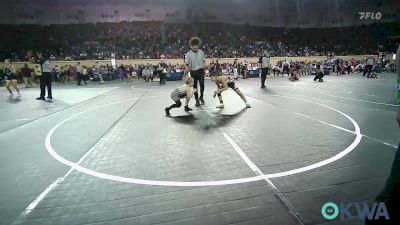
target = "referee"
x: 195, y: 61
x: 45, y: 78
x: 265, y: 64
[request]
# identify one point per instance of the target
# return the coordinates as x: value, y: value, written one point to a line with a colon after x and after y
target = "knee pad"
x: 219, y: 94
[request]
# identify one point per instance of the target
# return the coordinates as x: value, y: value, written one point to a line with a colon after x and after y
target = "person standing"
x: 275, y: 70
x: 154, y: 70
x: 79, y: 75
x: 369, y: 63
x: 265, y: 64
x: 337, y: 66
x: 104, y: 72
x: 27, y: 75
x: 195, y: 62
x: 161, y: 73
x: 85, y: 74
x: 348, y: 67
x: 235, y: 69
x: 286, y: 67
x: 45, y: 78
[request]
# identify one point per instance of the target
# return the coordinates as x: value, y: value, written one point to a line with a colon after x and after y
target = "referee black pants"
x: 45, y: 81
x: 198, y: 75
x: 162, y: 76
x: 81, y: 78
x: 264, y: 72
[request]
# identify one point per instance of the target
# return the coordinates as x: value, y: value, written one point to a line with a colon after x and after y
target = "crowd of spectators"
x: 68, y: 73
x: 75, y: 73
x: 138, y: 40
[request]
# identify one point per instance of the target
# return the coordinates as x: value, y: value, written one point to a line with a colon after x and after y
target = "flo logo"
x: 361, y: 210
x: 370, y: 15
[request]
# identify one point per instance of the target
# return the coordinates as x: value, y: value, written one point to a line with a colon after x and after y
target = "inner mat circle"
x: 82, y: 169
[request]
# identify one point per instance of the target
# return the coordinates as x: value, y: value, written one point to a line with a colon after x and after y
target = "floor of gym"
x: 107, y: 154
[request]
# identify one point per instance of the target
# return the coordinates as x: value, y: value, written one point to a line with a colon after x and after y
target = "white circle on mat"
x: 106, y: 176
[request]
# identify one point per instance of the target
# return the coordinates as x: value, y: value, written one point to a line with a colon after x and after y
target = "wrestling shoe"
x: 201, y: 100
x: 167, y: 112
x: 41, y: 98
x: 248, y: 105
x: 220, y: 106
x: 197, y: 103
x: 187, y: 109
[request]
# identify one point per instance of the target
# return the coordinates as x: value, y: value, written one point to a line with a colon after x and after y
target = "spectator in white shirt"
x: 79, y: 75
x: 146, y: 73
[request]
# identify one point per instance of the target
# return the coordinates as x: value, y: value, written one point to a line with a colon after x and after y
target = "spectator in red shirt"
x: 27, y: 75
x: 353, y: 62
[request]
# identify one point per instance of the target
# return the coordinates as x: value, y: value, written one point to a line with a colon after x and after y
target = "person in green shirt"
x: 10, y: 77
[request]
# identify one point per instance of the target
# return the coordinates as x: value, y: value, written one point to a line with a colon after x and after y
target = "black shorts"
x: 10, y: 77
x: 232, y: 85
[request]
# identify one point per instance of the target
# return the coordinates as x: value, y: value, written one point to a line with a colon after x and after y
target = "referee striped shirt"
x: 195, y: 60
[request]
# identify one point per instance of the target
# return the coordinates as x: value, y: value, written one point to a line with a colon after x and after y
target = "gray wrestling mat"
x: 108, y: 155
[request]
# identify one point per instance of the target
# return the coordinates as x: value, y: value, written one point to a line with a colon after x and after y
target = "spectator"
x: 286, y: 67
x: 97, y: 41
x: 146, y: 73
x: 84, y: 74
x: 57, y: 72
x: 79, y: 74
x: 369, y: 63
x: 27, y: 75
